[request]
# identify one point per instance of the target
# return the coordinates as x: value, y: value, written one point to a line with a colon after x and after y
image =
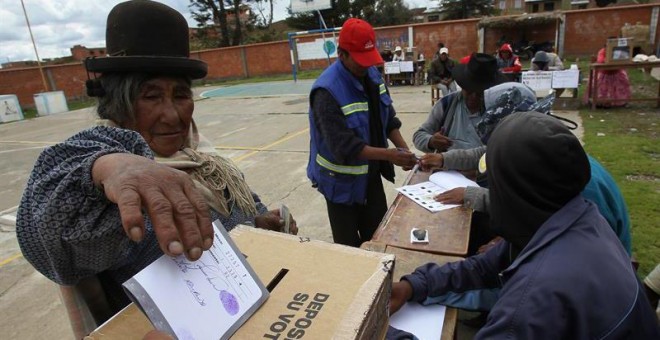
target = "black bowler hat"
x: 478, y: 74
x: 147, y: 36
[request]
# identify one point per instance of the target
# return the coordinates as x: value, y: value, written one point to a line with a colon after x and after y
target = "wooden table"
x: 405, y: 263
x: 449, y: 230
x: 593, y: 81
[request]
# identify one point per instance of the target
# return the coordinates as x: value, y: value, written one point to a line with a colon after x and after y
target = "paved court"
x: 265, y: 132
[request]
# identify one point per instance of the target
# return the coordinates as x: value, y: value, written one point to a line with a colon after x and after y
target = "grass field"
x: 625, y: 141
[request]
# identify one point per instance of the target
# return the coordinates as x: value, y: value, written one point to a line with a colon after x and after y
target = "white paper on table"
x: 425, y: 322
x: 392, y: 67
x: 406, y: 66
x: 451, y: 179
x: 423, y: 193
x: 205, y: 299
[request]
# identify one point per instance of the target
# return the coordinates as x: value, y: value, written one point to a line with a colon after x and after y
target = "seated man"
x: 563, y: 273
x: 452, y: 121
x: 544, y: 61
x: 440, y: 73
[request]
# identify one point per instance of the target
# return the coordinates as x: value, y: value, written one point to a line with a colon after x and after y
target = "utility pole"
x: 41, y: 71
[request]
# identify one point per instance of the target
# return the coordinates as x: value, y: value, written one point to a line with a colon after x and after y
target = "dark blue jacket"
x: 346, y: 182
x: 572, y: 281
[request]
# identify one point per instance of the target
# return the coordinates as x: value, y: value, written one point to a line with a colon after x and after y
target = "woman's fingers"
x: 130, y: 211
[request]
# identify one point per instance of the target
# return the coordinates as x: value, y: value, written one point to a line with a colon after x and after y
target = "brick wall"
x: 586, y: 32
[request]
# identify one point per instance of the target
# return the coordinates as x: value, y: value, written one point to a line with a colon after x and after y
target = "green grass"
x: 312, y: 74
x: 630, y: 151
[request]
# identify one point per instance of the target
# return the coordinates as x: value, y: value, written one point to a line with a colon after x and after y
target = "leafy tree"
x: 264, y: 19
x: 209, y: 15
x: 463, y: 9
x: 390, y: 12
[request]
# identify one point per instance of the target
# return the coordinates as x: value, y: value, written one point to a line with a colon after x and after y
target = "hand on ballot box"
x: 431, y: 161
x: 453, y: 196
x: 401, y: 293
x: 272, y: 220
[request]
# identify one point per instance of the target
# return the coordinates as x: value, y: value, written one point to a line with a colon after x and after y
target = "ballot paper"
x: 205, y: 299
x: 423, y: 193
x: 425, y: 322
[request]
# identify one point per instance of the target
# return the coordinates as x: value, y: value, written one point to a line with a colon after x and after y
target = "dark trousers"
x: 356, y: 223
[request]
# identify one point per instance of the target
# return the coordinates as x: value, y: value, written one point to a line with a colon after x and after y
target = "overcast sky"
x: 57, y: 25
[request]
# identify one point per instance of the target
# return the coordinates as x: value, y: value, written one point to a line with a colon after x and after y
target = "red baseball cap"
x: 358, y: 38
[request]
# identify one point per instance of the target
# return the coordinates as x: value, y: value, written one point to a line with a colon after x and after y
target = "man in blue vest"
x: 351, y: 117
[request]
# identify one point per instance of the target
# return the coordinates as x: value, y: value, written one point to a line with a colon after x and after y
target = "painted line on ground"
x: 26, y: 142
x: 8, y: 217
x: 10, y: 259
x: 23, y: 149
x: 279, y: 141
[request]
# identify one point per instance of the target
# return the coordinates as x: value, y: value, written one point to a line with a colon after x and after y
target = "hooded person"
x: 452, y: 121
x: 562, y: 272
x: 351, y: 119
x: 507, y: 62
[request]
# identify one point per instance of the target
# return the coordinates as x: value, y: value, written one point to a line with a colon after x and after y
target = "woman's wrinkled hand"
x: 431, y: 161
x: 273, y: 221
x: 178, y: 212
x: 401, y: 293
x: 453, y: 196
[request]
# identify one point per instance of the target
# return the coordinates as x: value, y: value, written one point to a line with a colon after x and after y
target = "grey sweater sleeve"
x: 477, y: 199
x: 462, y: 159
x: 422, y: 136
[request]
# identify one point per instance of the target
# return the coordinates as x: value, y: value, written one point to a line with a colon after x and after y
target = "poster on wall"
x: 317, y: 49
x: 10, y: 110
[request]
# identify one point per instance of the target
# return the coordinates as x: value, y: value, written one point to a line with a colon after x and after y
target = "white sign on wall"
x: 317, y: 49
x: 10, y: 110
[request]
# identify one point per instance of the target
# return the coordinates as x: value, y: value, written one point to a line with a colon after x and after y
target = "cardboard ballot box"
x: 618, y: 50
x: 318, y: 291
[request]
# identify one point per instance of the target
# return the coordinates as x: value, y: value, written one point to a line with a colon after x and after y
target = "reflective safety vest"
x: 346, y: 182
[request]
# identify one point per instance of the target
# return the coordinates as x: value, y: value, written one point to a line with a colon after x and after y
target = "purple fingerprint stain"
x: 229, y: 302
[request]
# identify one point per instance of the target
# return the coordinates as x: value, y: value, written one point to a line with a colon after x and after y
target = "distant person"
x: 544, y: 61
x: 507, y: 62
x: 436, y: 55
x: 563, y: 273
x: 440, y: 73
x: 387, y: 54
x: 612, y: 84
x: 452, y: 121
x: 398, y: 54
x: 351, y: 118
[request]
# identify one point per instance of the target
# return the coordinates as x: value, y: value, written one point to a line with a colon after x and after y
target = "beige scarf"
x: 211, y: 173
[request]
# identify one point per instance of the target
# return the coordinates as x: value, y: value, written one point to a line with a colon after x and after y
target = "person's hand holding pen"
x: 440, y: 142
x: 431, y: 161
x: 403, y: 158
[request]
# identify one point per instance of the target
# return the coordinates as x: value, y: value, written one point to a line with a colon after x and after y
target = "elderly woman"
x: 108, y: 201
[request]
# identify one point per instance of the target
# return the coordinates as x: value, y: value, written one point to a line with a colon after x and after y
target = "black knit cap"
x: 147, y: 36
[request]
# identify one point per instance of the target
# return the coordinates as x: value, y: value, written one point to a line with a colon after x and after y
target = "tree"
x: 390, y: 12
x: 209, y: 15
x: 265, y: 18
x: 463, y: 9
